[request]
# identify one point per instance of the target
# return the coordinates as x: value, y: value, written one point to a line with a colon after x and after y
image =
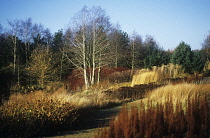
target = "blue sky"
x: 168, y: 21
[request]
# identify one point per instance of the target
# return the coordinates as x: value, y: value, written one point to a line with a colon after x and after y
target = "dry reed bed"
x: 162, y: 120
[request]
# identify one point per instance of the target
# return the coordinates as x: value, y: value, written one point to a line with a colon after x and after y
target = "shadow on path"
x: 90, y: 122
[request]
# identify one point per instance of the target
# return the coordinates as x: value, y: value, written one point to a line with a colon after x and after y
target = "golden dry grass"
x: 170, y: 71
x: 78, y: 100
x: 177, y: 93
x: 145, y: 77
x: 158, y: 73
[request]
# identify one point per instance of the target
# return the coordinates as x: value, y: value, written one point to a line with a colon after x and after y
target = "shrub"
x: 35, y: 114
x: 75, y: 80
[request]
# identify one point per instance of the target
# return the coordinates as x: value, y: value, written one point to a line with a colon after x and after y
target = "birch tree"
x: 25, y: 36
x: 14, y: 32
x: 30, y: 30
x: 89, y: 41
x: 100, y: 30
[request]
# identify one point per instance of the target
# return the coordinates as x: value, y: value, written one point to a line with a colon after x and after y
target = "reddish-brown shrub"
x: 75, y: 80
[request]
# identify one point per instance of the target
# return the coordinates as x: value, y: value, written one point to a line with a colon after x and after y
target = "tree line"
x: 31, y: 56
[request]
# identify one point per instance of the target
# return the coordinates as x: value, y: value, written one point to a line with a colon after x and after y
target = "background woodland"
x: 31, y: 57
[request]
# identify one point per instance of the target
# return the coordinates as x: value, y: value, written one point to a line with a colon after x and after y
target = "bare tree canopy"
x: 89, y: 41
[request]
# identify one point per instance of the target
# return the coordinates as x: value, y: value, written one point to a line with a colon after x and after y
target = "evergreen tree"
x: 183, y: 56
x: 58, y: 45
x: 197, y: 63
x: 155, y: 56
x: 57, y: 41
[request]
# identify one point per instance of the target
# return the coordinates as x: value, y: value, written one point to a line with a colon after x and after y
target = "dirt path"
x: 88, y: 128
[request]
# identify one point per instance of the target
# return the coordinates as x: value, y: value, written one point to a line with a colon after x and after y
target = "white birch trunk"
x: 99, y: 68
x: 93, y: 56
x: 14, y: 54
x: 84, y: 55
